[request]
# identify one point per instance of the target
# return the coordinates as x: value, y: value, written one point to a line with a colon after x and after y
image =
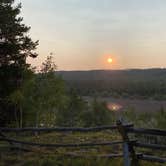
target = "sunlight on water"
x: 114, y: 106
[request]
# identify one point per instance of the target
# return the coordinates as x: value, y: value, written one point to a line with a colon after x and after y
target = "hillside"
x: 132, y: 74
x: 140, y: 83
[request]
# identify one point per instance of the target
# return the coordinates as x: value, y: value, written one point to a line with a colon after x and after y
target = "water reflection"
x: 114, y: 106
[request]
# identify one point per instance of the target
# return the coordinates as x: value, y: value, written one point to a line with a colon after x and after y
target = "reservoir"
x: 137, y: 105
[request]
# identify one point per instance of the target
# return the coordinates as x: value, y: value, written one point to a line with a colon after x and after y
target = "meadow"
x: 42, y: 97
x: 67, y: 156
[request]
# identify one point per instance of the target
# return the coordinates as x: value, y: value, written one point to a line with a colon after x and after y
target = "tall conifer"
x: 15, y: 47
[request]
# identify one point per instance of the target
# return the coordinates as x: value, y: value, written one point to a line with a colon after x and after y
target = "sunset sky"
x: 83, y: 34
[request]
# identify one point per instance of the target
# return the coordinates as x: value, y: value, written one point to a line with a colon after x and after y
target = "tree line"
x: 42, y: 98
x: 133, y: 83
x: 35, y: 98
x: 155, y: 89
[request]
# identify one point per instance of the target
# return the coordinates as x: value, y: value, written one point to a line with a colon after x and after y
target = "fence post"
x: 128, y: 150
x: 126, y: 154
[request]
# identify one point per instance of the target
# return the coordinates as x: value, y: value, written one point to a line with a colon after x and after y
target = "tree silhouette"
x: 15, y: 47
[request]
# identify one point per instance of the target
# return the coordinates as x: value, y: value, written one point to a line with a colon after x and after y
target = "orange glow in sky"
x: 109, y: 60
x: 132, y: 40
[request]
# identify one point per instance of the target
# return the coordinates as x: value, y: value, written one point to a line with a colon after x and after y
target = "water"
x: 123, y: 104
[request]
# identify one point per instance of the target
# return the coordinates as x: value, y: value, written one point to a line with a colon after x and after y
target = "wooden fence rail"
x: 147, y: 131
x: 62, y: 129
x: 61, y: 145
x: 150, y: 146
x: 151, y: 158
x: 131, y: 158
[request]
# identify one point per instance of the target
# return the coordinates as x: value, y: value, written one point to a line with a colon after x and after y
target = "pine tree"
x: 15, y: 47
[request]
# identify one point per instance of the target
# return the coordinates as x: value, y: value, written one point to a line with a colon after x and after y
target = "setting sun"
x: 109, y: 60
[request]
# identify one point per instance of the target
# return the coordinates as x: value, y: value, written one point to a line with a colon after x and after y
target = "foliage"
x: 140, y: 83
x: 70, y: 115
x: 44, y: 95
x: 48, y: 66
x: 15, y: 47
x: 97, y: 114
x: 65, y: 156
x: 146, y: 119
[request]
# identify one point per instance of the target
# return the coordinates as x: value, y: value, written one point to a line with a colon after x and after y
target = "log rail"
x: 131, y: 158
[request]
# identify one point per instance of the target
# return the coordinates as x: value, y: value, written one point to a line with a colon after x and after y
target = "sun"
x: 109, y: 60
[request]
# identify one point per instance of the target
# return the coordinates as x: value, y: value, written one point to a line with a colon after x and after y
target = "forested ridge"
x: 133, y: 83
x: 32, y: 97
x: 126, y: 74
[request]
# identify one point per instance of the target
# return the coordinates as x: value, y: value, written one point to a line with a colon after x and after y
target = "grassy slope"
x: 63, y: 156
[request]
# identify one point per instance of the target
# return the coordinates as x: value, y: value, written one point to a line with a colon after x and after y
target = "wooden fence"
x: 130, y: 156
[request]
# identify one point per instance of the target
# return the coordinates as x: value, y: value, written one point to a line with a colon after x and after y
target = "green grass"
x: 65, y: 156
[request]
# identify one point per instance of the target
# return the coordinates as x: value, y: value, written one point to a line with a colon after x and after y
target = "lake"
x: 137, y: 105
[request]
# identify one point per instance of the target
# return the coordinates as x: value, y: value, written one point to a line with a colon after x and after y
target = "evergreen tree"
x: 43, y: 96
x: 70, y: 115
x: 15, y: 47
x: 97, y: 115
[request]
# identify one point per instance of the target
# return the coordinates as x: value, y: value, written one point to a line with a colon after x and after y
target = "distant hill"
x: 135, y: 83
x: 132, y: 74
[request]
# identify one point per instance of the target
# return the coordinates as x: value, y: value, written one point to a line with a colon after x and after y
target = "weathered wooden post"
x: 126, y: 153
x: 128, y: 150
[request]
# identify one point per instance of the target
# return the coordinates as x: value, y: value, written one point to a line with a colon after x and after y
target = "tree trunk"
x: 21, y: 117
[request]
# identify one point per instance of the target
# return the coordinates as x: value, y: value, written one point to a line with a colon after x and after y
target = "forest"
x: 44, y: 97
x: 133, y: 83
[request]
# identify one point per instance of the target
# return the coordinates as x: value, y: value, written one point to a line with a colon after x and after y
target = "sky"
x: 83, y: 34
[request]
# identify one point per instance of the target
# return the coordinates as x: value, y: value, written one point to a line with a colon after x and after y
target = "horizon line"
x: 153, y: 68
